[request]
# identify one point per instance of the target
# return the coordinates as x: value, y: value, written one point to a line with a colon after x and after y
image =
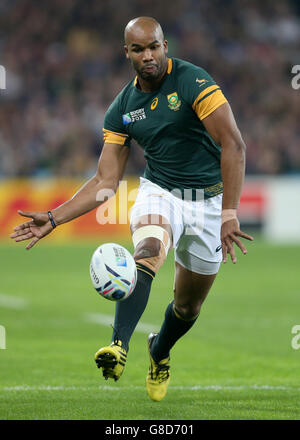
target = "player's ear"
x: 126, y: 51
x: 166, y: 47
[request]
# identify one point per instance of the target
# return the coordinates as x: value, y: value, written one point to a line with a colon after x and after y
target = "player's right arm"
x: 110, y: 170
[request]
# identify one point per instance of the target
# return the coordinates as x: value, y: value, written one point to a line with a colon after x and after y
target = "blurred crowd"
x: 65, y: 63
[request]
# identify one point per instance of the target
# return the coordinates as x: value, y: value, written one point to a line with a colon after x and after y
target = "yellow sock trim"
x: 177, y: 314
x: 144, y: 269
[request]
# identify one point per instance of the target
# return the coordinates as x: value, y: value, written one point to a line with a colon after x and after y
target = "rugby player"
x: 182, y: 120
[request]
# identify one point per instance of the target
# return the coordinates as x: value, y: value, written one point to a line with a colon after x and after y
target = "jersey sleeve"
x: 114, y: 131
x: 201, y: 91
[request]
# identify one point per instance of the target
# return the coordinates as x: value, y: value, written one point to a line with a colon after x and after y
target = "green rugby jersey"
x: 167, y: 124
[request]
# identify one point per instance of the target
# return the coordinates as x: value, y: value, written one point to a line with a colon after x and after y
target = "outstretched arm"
x: 110, y: 170
x: 222, y: 127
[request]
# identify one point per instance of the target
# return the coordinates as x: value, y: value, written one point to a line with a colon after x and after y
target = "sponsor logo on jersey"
x: 135, y: 115
x: 126, y: 119
x: 154, y: 103
x: 174, y: 101
x: 201, y: 81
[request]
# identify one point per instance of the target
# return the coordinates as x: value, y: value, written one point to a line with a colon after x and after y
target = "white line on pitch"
x: 98, y: 318
x: 12, y: 302
x: 183, y: 388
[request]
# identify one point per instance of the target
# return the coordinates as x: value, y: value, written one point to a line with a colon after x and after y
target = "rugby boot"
x: 112, y: 360
x: 158, y: 376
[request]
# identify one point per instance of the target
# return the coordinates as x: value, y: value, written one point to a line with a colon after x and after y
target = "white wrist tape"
x: 228, y: 214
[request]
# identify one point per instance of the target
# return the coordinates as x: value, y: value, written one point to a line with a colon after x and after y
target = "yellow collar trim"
x: 170, y: 65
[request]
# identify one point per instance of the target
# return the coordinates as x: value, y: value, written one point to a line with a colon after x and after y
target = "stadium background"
x: 64, y: 65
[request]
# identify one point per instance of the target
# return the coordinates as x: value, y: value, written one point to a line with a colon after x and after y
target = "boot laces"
x: 162, y: 372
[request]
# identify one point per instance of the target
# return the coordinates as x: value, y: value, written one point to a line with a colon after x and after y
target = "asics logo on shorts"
x: 219, y: 248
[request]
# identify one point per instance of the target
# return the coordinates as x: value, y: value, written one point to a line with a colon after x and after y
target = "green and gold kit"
x: 167, y: 124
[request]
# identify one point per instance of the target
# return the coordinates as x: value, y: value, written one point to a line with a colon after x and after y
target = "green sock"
x: 129, y: 312
x: 172, y: 329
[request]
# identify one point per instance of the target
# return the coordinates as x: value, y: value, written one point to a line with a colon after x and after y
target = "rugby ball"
x: 113, y: 272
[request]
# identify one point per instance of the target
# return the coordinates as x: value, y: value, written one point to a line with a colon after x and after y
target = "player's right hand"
x: 38, y: 227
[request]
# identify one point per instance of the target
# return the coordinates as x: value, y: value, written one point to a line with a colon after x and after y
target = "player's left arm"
x: 221, y: 126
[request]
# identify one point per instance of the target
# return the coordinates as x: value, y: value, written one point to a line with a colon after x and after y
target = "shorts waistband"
x: 197, y: 194
x: 193, y: 194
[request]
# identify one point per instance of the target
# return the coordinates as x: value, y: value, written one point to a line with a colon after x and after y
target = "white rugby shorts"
x: 195, y: 225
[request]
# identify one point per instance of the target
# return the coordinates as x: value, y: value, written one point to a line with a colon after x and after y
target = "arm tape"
x: 152, y: 231
x: 228, y: 214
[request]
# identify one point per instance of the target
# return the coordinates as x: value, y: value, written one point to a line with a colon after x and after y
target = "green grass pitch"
x: 237, y: 362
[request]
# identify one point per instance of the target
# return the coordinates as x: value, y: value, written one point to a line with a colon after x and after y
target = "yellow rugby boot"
x: 158, y: 376
x: 112, y: 360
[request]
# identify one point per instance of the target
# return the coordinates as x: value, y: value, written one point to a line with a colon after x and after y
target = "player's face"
x: 148, y: 55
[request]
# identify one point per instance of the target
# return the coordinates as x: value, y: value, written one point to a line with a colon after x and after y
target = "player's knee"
x: 147, y: 248
x: 187, y: 311
x: 151, y: 246
x: 150, y: 253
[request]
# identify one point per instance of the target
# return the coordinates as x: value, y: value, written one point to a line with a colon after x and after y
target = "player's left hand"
x: 230, y: 231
